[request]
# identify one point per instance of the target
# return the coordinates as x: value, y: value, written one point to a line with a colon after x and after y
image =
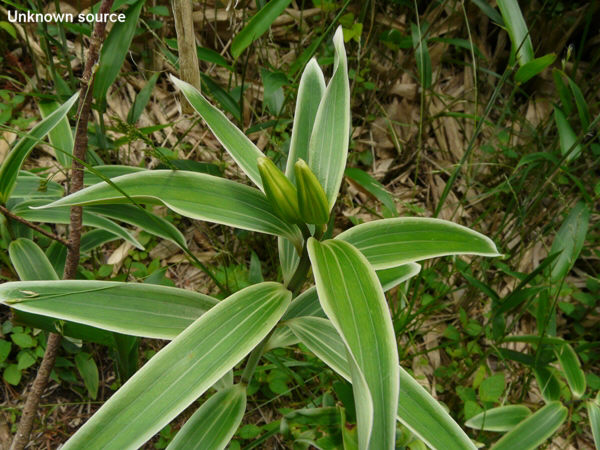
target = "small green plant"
x: 343, y: 319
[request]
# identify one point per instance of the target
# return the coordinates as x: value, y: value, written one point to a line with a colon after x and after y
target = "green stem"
x: 253, y: 360
x: 299, y: 276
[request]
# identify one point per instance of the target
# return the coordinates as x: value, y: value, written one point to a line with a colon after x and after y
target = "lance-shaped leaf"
x: 391, y: 242
x: 257, y: 26
x: 353, y: 299
x: 310, y: 92
x: 184, y: 369
x: 63, y: 214
x: 31, y: 264
x: 237, y: 144
x: 150, y: 223
x: 95, y: 174
x: 115, y: 50
x: 30, y: 186
x: 328, y: 147
x: 548, y: 383
x: 212, y: 426
x: 307, y: 303
x: 130, y: 308
x: 571, y: 368
x: 417, y: 409
x: 502, y: 418
x: 13, y: 162
x: 517, y: 30
x: 61, y: 137
x: 29, y: 261
x: 593, y: 409
x: 534, y: 430
x: 191, y: 194
x: 569, y: 241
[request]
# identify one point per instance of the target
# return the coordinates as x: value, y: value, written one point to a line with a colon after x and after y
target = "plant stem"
x: 299, y: 276
x: 81, y: 141
x: 33, y: 226
x: 253, y: 360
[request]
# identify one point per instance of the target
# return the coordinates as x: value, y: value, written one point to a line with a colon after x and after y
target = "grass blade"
x: 328, y: 147
x: 61, y: 136
x: 141, y: 100
x: 184, y: 369
x: 114, y: 51
x: 352, y: 298
x: 212, y: 426
x: 534, y: 430
x: 14, y: 160
x: 257, y: 26
x: 391, y: 242
x: 566, y: 136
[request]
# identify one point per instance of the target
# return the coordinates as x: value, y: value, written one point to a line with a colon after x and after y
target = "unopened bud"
x: 312, y: 200
x: 280, y: 191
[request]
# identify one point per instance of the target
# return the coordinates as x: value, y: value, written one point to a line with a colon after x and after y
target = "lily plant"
x: 332, y: 298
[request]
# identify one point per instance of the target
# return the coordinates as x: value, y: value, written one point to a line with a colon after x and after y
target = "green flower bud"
x: 312, y: 200
x: 280, y: 191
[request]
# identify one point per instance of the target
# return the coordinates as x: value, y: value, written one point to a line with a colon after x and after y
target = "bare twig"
x: 33, y: 226
x: 79, y: 150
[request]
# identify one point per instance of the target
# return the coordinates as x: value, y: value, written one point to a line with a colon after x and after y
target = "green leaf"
x: 502, y: 418
x: 307, y: 303
x: 417, y: 409
x: 566, y: 136
x: 61, y: 137
x: 114, y: 171
x: 548, y: 383
x: 569, y: 241
x: 352, y: 298
x: 5, y: 347
x: 12, y: 374
x: 31, y: 264
x: 29, y: 261
x: 130, y: 308
x: 23, y: 340
x: 14, y: 160
x: 421, y: 55
x: 150, y: 223
x: 63, y: 215
x: 328, y: 146
x: 30, y: 186
x: 191, y: 194
x: 212, y: 426
x: 534, y: 430
x: 310, y: 93
x: 257, y: 25
x: 593, y: 410
x: 517, y: 30
x: 392, y: 242
x: 89, y: 372
x: 571, y: 368
x: 114, y: 51
x: 184, y: 369
x: 141, y: 100
x: 534, y: 67
x: 492, y: 388
x: 582, y: 107
x: 241, y: 149
x: 373, y: 187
